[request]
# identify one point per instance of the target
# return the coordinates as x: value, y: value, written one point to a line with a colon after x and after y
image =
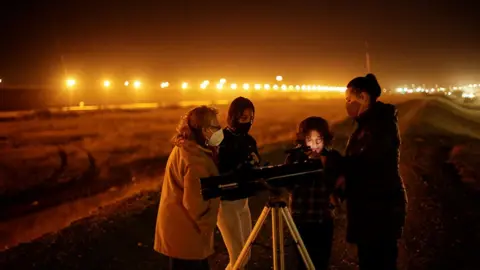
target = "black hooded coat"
x: 375, y: 193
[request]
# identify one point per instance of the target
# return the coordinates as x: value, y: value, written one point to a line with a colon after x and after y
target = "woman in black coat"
x: 237, y: 149
x: 375, y: 193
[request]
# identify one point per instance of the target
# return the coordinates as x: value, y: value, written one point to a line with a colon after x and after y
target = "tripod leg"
x: 275, y: 216
x: 253, y: 235
x: 298, y: 240
x: 281, y: 241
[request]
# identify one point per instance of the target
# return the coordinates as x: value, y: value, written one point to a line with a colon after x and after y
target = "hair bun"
x: 371, y: 76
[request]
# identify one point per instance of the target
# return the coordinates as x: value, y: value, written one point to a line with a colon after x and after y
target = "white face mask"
x: 216, y: 138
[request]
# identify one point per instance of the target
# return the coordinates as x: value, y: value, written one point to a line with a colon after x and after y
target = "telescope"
x: 247, y: 180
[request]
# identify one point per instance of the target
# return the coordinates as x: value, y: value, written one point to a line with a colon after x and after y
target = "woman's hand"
x: 337, y: 206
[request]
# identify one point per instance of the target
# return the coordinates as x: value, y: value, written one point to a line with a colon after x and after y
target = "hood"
x: 379, y: 112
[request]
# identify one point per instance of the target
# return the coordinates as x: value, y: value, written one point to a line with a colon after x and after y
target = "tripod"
x: 278, y: 209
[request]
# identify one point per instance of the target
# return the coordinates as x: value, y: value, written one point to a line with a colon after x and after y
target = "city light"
x: 70, y: 83
x: 279, y: 78
x: 164, y: 84
x: 137, y: 84
x: 222, y: 85
x: 204, y: 84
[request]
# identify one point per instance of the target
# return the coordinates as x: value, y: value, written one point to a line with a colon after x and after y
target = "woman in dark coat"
x: 375, y: 193
x: 238, y: 149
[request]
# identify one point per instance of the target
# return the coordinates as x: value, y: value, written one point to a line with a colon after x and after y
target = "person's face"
x: 244, y: 121
x: 314, y: 140
x: 246, y: 117
x: 211, y: 129
x: 356, y: 103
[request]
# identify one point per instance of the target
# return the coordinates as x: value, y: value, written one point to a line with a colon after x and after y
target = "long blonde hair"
x: 192, y: 123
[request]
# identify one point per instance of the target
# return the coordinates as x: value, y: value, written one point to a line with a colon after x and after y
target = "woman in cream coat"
x: 185, y: 222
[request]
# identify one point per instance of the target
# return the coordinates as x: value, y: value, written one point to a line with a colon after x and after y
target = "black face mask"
x: 243, y: 127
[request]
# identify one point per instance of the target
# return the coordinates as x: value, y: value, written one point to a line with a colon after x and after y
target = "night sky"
x: 305, y: 41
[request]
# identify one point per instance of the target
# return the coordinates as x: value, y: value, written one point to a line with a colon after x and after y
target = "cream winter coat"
x: 185, y: 222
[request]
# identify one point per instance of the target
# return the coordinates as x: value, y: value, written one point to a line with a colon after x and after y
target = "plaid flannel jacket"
x: 311, y: 202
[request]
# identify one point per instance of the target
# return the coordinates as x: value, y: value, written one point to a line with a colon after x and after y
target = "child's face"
x: 315, y: 141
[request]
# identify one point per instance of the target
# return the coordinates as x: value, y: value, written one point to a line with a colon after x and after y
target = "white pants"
x: 235, y: 224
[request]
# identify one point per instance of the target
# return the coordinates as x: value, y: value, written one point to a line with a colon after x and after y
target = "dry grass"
x: 104, y: 150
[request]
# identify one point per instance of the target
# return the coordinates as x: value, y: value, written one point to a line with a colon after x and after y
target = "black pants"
x: 180, y: 264
x: 377, y: 254
x: 317, y: 238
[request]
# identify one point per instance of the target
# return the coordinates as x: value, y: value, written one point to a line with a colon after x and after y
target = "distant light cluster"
x: 468, y: 91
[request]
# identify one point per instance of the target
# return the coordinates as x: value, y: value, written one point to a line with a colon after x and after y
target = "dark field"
x: 113, y: 156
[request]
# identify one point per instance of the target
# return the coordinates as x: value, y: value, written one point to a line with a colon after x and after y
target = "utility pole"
x: 367, y: 58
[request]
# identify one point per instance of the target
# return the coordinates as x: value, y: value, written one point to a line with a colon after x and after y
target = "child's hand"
x: 255, y: 159
x: 340, y: 183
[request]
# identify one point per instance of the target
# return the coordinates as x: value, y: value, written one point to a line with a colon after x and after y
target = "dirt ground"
x: 443, y: 223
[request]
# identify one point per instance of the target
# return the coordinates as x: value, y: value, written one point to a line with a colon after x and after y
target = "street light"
x: 126, y: 83
x: 70, y: 83
x: 222, y: 81
x: 137, y: 84
x: 279, y: 78
x: 106, y: 84
x: 184, y: 85
x: 233, y: 86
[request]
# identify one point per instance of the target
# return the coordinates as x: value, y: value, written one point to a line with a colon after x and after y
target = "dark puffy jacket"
x: 236, y: 151
x: 376, y: 199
